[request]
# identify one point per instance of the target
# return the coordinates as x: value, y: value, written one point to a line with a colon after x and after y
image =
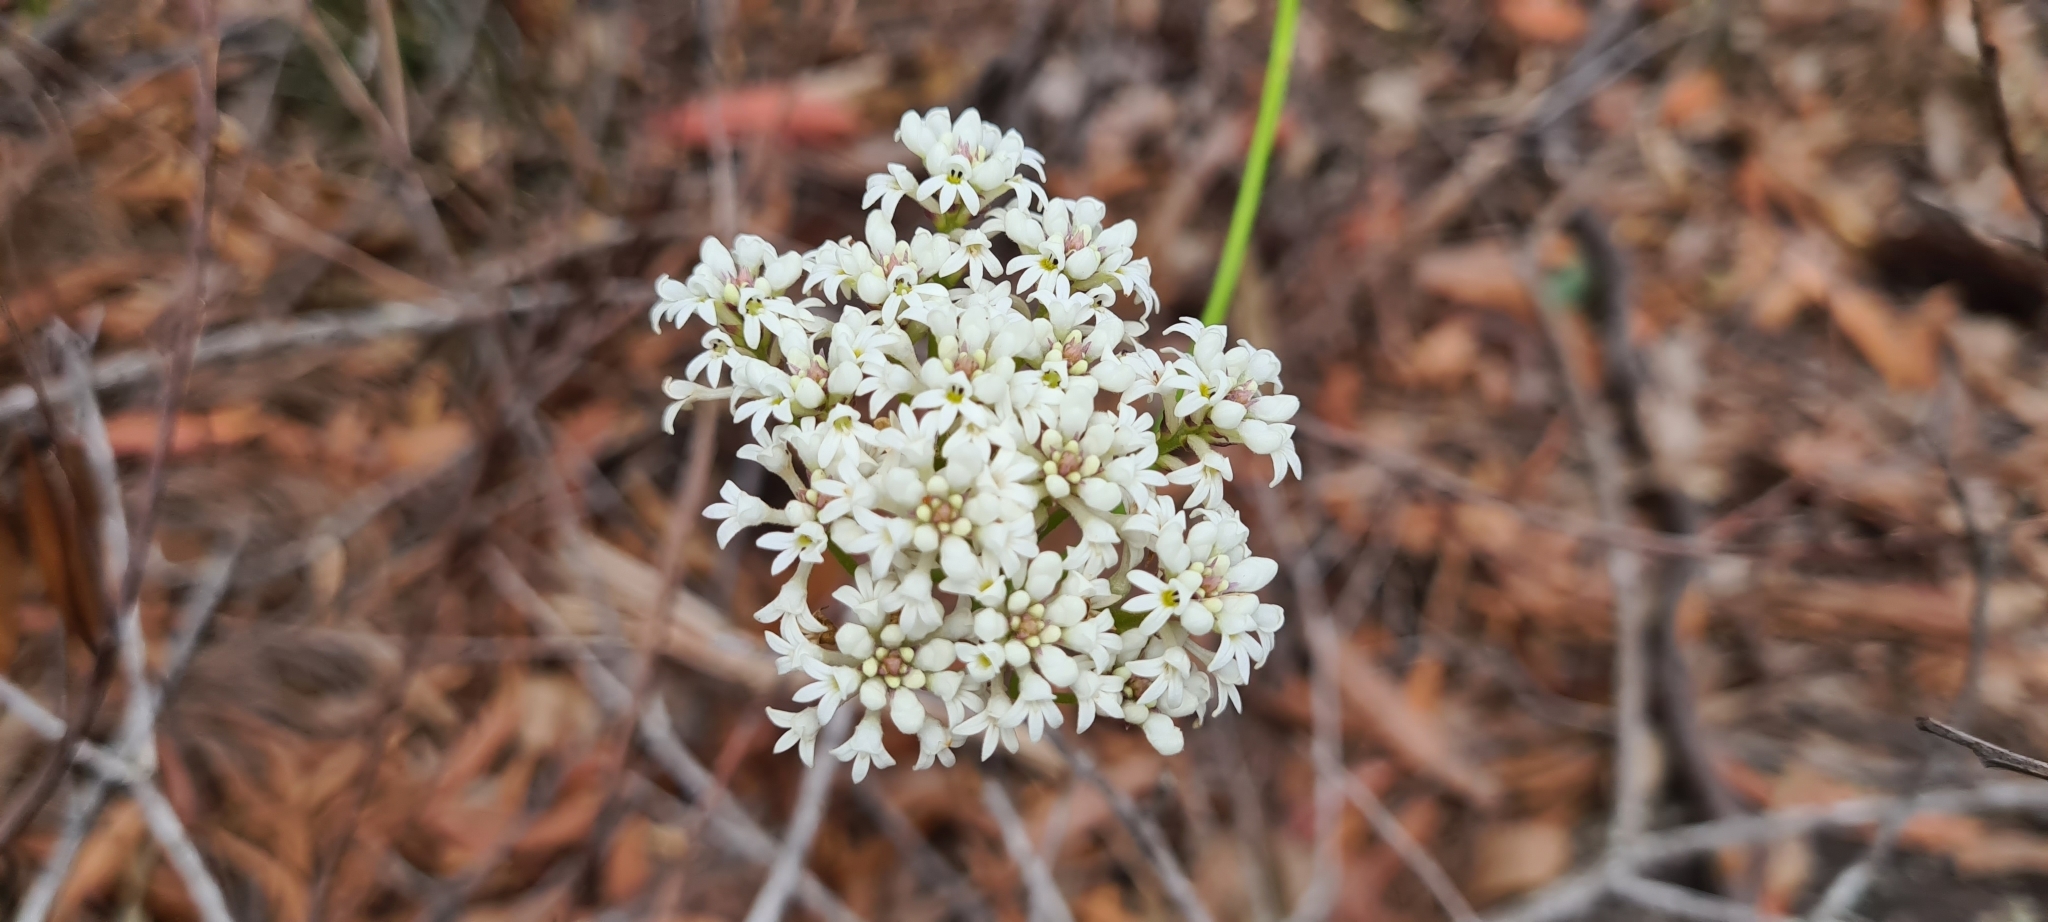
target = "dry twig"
x: 1572, y: 895
x: 1846, y: 891
x: 1674, y: 900
x: 961, y: 894
x: 811, y: 795
x: 1153, y: 842
x: 1047, y: 905
x: 1634, y: 770
x: 2001, y: 122
x: 1989, y: 754
x: 304, y: 331
x: 1411, y: 852
x: 658, y: 738
x: 1326, y: 705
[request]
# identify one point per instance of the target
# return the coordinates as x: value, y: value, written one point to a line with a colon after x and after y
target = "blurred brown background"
x: 1709, y: 325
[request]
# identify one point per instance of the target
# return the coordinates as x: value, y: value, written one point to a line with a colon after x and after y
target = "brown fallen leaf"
x: 1478, y: 275
x: 133, y: 434
x: 1550, y: 22
x: 1520, y: 856
x: 1103, y: 903
x: 692, y: 630
x: 791, y: 113
x: 1906, y: 350
x: 1443, y: 357
x: 1695, y: 102
x: 429, y: 446
x: 14, y: 570
x: 1831, y: 607
x: 104, y: 856
x: 629, y: 866
x: 1337, y: 402
x: 284, y: 887
x: 1419, y: 740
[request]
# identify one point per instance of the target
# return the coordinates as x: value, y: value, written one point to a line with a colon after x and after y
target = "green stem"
x: 845, y: 559
x: 1059, y: 514
x: 1279, y: 60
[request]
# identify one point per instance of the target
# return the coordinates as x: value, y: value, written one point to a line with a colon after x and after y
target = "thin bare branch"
x: 2001, y: 121
x: 1326, y: 701
x: 658, y: 738
x: 170, y: 835
x: 1684, y: 903
x: 911, y: 845
x: 1990, y: 754
x: 1043, y: 892
x: 315, y: 330
x: 811, y: 796
x: 1572, y: 895
x: 79, y: 813
x: 1411, y: 852
x: 162, y: 821
x: 1635, y: 740
x: 1160, y: 854
x: 1847, y: 890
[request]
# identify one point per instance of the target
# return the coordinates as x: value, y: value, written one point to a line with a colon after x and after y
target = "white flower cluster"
x: 1030, y: 503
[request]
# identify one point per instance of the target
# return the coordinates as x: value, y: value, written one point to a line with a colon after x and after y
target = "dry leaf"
x: 1695, y: 103
x: 1552, y: 22
x: 1420, y: 740
x: 1905, y: 350
x: 1513, y: 858
x: 1336, y: 403
x: 427, y: 447
x: 789, y: 113
x: 1478, y: 274
x: 1443, y: 357
x: 629, y: 865
x: 104, y: 856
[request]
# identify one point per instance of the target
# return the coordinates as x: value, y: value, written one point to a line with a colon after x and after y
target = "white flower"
x: 967, y: 163
x: 1163, y: 734
x: 751, y: 271
x: 1168, y: 674
x: 829, y: 686
x: 934, y: 742
x: 992, y: 724
x: 739, y: 510
x: 942, y: 439
x: 1158, y: 600
x: 1208, y: 475
x: 865, y: 747
x: 973, y: 256
x: 1034, y: 708
x: 793, y: 651
x: 1065, y: 248
x: 1097, y: 693
x: 806, y: 542
x: 800, y: 730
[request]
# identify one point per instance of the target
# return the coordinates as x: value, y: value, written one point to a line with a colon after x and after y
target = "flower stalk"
x: 1272, y: 98
x: 937, y: 413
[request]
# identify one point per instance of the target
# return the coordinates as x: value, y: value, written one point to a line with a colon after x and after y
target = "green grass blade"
x: 1272, y: 98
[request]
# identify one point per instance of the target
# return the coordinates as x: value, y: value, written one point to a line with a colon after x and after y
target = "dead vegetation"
x: 1677, y: 438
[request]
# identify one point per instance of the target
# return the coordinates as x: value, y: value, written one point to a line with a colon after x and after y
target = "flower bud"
x: 1163, y: 734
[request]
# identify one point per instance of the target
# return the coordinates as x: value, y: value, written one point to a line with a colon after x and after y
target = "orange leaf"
x: 1905, y: 350
x: 786, y: 112
x: 629, y: 865
x: 1553, y: 22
